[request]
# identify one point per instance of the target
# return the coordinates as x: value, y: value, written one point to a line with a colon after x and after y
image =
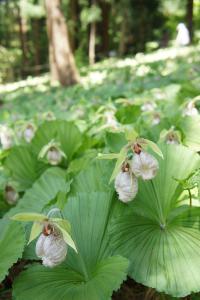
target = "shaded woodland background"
x: 38, y: 35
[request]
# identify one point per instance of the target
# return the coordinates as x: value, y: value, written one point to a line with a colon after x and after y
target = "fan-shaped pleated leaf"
x: 115, y: 141
x: 191, y: 128
x: 63, y: 283
x: 88, y: 215
x: 42, y: 192
x: 12, y: 240
x: 66, y: 133
x: 161, y: 239
x: 128, y: 114
x: 24, y: 166
x: 92, y: 273
x: 164, y: 190
x: 95, y: 178
x: 78, y: 164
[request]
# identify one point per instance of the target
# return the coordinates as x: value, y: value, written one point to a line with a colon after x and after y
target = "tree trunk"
x: 142, y: 26
x: 123, y: 33
x: 36, y: 34
x: 190, y: 17
x: 92, y: 40
x: 23, y: 41
x: 61, y: 59
x: 74, y: 16
x: 105, y: 8
x: 7, y: 29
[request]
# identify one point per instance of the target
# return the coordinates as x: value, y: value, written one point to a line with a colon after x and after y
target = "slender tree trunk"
x: 190, y: 17
x: 74, y: 12
x: 36, y: 33
x: 92, y: 40
x: 61, y: 59
x: 105, y: 7
x: 123, y: 32
x: 7, y: 29
x: 142, y: 26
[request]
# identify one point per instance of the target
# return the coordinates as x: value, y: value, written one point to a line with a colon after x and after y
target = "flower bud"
x: 49, y: 116
x: 6, y: 137
x: 148, y: 106
x: 172, y: 138
x: 156, y: 119
x: 52, y: 249
x: 11, y: 195
x: 54, y: 156
x: 126, y: 185
x: 29, y: 133
x: 190, y: 110
x: 110, y: 119
x: 144, y: 165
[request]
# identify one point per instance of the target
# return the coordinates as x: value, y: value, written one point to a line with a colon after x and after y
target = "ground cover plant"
x: 100, y: 182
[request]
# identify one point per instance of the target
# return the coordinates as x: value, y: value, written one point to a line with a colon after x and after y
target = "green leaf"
x: 115, y: 141
x: 128, y: 114
x: 44, y: 150
x: 120, y: 160
x: 42, y: 192
x: 159, y: 237
x: 92, y: 273
x: 29, y: 217
x: 131, y: 134
x: 108, y: 156
x: 61, y: 198
x: 64, y: 227
x: 62, y: 223
x: 70, y: 284
x: 81, y: 163
x: 4, y: 206
x: 192, y: 181
x: 94, y: 178
x: 24, y: 166
x: 35, y: 231
x: 63, y: 132
x: 191, y: 128
x: 12, y: 241
x: 153, y: 147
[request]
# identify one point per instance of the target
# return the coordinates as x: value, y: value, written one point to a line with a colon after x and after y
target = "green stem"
x: 190, y: 196
x: 53, y: 211
x: 158, y: 203
x: 85, y: 272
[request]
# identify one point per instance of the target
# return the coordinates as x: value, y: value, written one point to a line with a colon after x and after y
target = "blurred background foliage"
x: 117, y: 28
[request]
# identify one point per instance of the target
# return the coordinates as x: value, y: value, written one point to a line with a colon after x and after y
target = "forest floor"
x: 106, y: 82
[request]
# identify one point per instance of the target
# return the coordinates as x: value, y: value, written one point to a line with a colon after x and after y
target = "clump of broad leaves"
x: 86, y: 203
x: 82, y: 223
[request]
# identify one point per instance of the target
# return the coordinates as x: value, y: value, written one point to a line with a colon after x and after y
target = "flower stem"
x: 84, y: 269
x: 53, y: 211
x: 190, y: 196
x: 158, y: 204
